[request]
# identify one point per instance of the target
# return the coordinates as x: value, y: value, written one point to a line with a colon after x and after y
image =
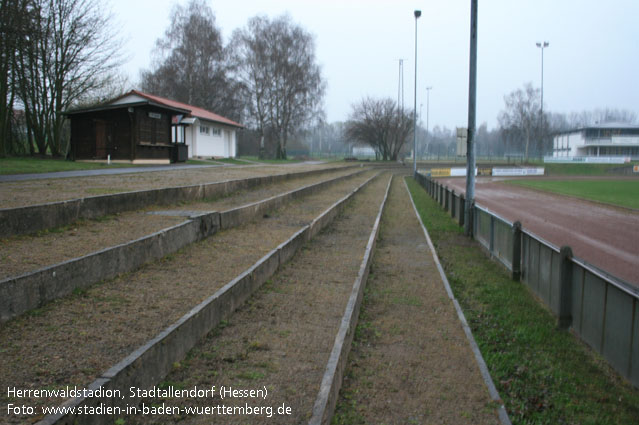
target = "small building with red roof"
x: 139, y: 127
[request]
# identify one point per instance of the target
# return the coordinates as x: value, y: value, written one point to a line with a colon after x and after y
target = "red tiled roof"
x: 195, y: 111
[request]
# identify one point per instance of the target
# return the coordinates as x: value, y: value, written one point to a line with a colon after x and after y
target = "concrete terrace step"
x: 82, y: 262
x: 81, y: 336
x: 24, y: 212
x: 282, y: 338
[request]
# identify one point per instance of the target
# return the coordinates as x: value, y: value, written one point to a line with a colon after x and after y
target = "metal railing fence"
x: 601, y: 309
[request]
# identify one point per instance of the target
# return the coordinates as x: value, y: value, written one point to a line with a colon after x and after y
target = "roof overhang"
x: 110, y: 107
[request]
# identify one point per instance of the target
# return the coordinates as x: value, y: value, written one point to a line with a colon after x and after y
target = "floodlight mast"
x: 470, y: 143
x: 417, y: 14
x: 542, y: 46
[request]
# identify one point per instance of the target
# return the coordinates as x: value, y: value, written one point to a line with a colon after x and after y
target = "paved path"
x: 100, y: 172
x: 132, y: 170
x: 604, y: 236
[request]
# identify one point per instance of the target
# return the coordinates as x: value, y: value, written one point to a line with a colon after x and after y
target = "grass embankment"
x: 544, y: 375
x: 623, y: 193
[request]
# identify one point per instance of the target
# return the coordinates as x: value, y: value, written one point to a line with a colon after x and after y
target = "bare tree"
x: 522, y: 115
x: 191, y: 62
x: 16, y: 22
x: 600, y: 116
x: 275, y: 62
x: 379, y: 124
x: 70, y: 54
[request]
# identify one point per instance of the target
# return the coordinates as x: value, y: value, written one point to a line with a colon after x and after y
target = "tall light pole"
x: 428, y: 89
x: 400, y: 86
x: 542, y: 46
x: 470, y: 142
x: 417, y: 13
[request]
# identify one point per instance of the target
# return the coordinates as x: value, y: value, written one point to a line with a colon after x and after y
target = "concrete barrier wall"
x: 33, y: 218
x: 150, y: 363
x: 606, y: 316
x: 600, y: 308
x: 495, y: 234
x: 33, y: 290
x: 326, y: 400
x: 540, y: 270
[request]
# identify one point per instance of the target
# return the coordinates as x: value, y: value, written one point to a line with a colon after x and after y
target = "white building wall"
x: 566, y: 145
x: 190, y: 137
x: 209, y: 145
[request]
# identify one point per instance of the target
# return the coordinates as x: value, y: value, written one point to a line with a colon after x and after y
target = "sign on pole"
x: 462, y: 137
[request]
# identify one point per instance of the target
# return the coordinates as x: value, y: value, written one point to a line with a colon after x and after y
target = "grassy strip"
x: 544, y: 375
x: 623, y: 193
x: 271, y: 161
x: 230, y: 161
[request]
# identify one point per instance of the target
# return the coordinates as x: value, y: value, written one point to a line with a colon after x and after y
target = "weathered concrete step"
x: 81, y: 336
x: 282, y: 337
x: 33, y: 218
x: 24, y: 254
x: 33, y: 290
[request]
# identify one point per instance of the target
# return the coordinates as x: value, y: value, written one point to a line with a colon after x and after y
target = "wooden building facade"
x: 139, y: 132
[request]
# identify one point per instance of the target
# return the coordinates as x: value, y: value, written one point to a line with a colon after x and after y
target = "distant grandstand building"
x: 611, y: 142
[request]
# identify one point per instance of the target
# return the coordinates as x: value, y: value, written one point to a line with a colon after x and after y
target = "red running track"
x: 605, y: 236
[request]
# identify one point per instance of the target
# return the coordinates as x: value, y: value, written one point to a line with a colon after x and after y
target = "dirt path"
x: 17, y: 194
x: 22, y: 254
x: 603, y: 236
x: 282, y: 338
x: 411, y: 362
x: 73, y: 340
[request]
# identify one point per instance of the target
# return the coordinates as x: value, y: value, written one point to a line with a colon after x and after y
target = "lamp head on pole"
x: 418, y: 13
x: 545, y: 44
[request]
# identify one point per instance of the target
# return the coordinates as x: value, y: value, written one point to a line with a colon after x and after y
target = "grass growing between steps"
x: 544, y: 375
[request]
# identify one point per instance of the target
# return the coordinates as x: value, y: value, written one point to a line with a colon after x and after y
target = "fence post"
x: 565, y: 288
x: 516, y: 252
x: 462, y: 205
x: 452, y: 203
x: 472, y: 219
x: 446, y: 196
x: 491, y: 239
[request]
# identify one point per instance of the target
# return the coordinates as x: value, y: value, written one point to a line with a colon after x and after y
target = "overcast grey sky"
x: 592, y: 61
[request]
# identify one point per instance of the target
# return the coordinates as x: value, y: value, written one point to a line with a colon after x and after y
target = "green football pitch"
x: 623, y: 193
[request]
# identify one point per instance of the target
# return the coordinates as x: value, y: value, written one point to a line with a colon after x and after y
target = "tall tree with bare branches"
x: 191, y: 63
x: 275, y: 61
x: 521, y: 117
x: 70, y: 54
x: 17, y: 21
x: 379, y: 124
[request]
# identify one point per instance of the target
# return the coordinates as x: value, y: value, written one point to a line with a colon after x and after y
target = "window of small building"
x: 205, y: 129
x: 216, y: 131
